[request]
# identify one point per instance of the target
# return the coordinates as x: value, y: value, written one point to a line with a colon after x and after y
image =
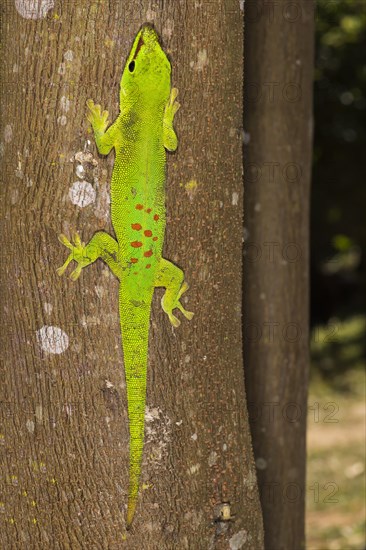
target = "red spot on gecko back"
x: 148, y: 233
x: 136, y: 226
x: 148, y: 210
x: 148, y: 266
x: 139, y: 206
x: 148, y: 253
x: 156, y: 217
x: 134, y: 260
x: 136, y: 244
x: 155, y: 238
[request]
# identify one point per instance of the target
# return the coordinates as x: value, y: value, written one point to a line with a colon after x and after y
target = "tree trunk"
x: 278, y: 124
x: 65, y: 429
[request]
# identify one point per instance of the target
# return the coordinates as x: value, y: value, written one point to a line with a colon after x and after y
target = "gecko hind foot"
x: 187, y: 314
x: 76, y: 254
x: 168, y: 304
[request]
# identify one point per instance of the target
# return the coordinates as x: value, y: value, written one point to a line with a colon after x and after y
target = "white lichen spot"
x: 80, y: 171
x: 65, y: 103
x: 179, y: 423
x: 15, y: 68
x: 52, y: 339
x: 235, y: 199
x: 212, y: 459
x: 69, y: 55
x: 194, y: 437
x: 238, y: 540
x: 245, y: 234
x: 224, y: 447
x: 48, y: 308
x: 62, y: 120
x: 241, y: 5
x: 257, y: 207
x: 33, y: 9
x: 202, y: 60
x: 261, y: 463
x: 84, y: 157
x: 187, y: 359
x: 194, y: 469
x: 157, y: 434
x: 82, y: 193
x: 8, y: 133
x: 30, y: 426
x: 262, y: 296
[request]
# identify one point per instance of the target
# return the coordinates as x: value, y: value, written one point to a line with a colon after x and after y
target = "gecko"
x: 140, y: 136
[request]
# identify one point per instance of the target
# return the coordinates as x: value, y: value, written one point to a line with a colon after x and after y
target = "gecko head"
x: 147, y: 71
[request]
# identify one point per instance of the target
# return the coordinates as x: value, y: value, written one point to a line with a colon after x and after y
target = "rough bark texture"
x: 278, y: 125
x: 65, y: 433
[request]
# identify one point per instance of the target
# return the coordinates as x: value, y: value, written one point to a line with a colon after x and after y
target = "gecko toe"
x: 174, y: 321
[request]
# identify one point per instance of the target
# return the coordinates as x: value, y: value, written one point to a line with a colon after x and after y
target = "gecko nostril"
x: 131, y: 66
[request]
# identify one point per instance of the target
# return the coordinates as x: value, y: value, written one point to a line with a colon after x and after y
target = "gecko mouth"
x: 138, y: 47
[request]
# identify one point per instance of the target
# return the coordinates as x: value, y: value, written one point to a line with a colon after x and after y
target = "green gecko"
x: 139, y: 135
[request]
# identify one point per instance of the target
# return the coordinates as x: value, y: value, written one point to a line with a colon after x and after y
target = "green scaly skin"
x: 140, y: 135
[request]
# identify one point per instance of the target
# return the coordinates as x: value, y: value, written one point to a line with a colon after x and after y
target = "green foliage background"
x: 338, y: 269
x: 338, y: 237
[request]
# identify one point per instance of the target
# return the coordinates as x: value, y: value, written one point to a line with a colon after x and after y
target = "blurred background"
x: 336, y: 419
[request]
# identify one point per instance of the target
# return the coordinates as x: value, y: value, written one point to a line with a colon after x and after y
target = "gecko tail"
x: 131, y: 508
x: 135, y: 322
x: 134, y: 483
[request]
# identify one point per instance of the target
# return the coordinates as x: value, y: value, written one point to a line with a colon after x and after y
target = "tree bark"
x: 65, y: 431
x: 278, y: 132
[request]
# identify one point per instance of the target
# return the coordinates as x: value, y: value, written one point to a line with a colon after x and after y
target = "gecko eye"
x: 131, y: 66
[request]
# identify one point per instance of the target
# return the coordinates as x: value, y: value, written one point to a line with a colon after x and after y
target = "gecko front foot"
x: 77, y: 253
x: 169, y: 136
x: 97, y: 117
x: 172, y: 106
